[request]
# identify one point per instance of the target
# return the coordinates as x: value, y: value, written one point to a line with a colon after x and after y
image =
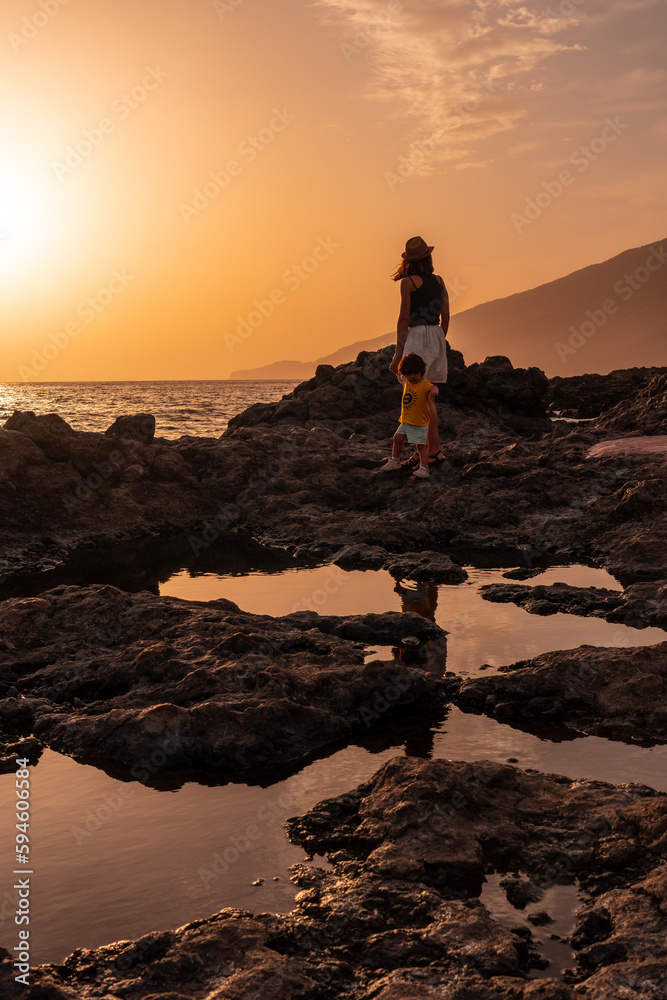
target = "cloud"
x: 478, y: 63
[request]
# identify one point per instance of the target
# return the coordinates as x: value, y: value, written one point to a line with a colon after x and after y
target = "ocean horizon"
x: 197, y: 407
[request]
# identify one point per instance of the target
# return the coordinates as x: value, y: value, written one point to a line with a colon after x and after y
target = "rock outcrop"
x: 588, y: 396
x: 399, y: 916
x: 644, y: 412
x: 619, y: 692
x: 359, y: 398
x: 122, y: 678
x: 298, y: 475
x: 640, y: 605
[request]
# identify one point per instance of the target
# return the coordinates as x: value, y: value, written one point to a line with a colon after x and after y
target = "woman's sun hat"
x: 416, y: 249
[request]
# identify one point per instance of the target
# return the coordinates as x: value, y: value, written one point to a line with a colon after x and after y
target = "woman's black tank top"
x: 427, y: 302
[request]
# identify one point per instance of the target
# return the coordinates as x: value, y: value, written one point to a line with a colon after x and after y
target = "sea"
x: 200, y: 408
x: 117, y: 859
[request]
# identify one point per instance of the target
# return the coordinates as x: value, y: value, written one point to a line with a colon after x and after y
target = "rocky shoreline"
x: 118, y: 678
x: 399, y: 914
x: 613, y: 692
x: 514, y: 478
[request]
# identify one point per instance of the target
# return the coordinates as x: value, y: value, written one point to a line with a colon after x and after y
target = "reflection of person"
x: 422, y: 599
x: 422, y: 324
x: 417, y: 411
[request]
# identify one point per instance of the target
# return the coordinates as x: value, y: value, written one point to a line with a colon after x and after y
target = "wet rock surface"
x: 619, y: 692
x: 118, y: 679
x: 641, y: 605
x: 587, y: 396
x: 399, y: 916
x: 100, y: 674
x: 298, y: 475
x: 642, y: 413
x: 431, y: 567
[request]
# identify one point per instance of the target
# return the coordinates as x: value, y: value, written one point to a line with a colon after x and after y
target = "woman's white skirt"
x: 430, y: 344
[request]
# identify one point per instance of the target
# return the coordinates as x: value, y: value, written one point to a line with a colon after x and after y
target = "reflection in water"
x: 480, y: 634
x: 107, y: 873
x: 162, y: 858
x: 559, y: 901
x: 421, y: 598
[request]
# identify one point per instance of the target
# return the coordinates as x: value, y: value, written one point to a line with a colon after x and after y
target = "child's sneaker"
x: 422, y: 472
x: 391, y: 465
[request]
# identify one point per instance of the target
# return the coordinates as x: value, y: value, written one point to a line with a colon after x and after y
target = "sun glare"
x: 29, y: 217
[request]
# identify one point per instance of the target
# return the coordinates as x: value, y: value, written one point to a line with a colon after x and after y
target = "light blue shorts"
x: 415, y: 435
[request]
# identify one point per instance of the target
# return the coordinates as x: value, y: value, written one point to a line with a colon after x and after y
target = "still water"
x: 114, y: 860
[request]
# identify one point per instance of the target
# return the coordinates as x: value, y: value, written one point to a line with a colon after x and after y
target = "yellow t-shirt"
x: 414, y: 408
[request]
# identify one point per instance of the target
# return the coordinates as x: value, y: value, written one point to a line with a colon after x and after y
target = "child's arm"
x: 433, y: 392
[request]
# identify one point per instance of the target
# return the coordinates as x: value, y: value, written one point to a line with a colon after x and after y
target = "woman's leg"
x: 433, y: 440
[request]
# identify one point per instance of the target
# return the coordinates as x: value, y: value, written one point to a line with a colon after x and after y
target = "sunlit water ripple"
x: 198, y: 408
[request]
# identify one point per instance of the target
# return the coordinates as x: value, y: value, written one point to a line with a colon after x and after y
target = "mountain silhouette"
x: 597, y: 319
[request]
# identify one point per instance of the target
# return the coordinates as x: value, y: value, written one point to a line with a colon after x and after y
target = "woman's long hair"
x: 407, y: 267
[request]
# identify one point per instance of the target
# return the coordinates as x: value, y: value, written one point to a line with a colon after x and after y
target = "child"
x: 416, y: 411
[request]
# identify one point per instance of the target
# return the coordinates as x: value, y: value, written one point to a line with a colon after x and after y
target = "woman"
x: 422, y: 324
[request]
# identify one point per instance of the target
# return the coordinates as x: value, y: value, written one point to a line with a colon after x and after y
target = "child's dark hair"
x: 412, y: 364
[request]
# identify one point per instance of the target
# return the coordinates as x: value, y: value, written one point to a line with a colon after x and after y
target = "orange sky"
x: 337, y: 130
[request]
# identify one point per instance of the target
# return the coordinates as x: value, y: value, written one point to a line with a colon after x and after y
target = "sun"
x: 30, y: 216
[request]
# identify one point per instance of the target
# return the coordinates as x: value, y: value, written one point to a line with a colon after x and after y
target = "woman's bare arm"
x: 403, y: 323
x: 444, y: 317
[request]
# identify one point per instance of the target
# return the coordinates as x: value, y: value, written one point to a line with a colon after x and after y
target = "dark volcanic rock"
x: 521, y: 891
x: 620, y: 691
x: 433, y: 567
x: 621, y: 937
x: 640, y: 605
x: 438, y: 826
x: 643, y: 413
x: 298, y: 475
x: 358, y: 392
x: 62, y: 489
x: 360, y: 557
x: 122, y: 678
x: 136, y: 427
x: 399, y: 918
x: 447, y: 823
x: 626, y: 528
x: 586, y: 396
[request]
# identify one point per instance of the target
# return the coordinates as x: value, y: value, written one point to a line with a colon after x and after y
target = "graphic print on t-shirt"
x: 414, y: 408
